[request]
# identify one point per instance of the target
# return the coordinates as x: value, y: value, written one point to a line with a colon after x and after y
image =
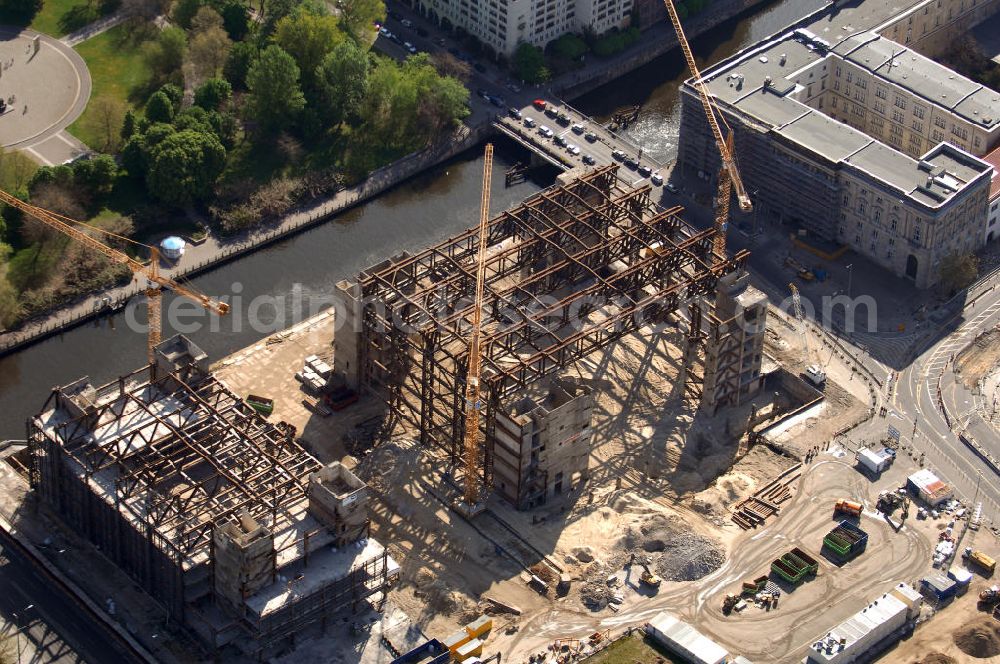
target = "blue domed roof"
x: 172, y: 243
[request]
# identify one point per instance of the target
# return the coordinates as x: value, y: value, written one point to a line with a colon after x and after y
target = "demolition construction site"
x: 641, y: 413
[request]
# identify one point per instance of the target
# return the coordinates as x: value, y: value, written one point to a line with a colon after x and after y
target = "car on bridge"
x: 551, y: 111
x: 591, y: 137
x: 671, y: 187
x: 529, y: 123
x: 545, y: 131
x: 573, y: 149
x: 645, y: 170
x: 656, y: 179
x: 560, y: 141
x: 589, y: 160
x: 563, y: 119
x: 578, y: 128
x: 539, y: 104
x: 631, y: 163
x: 514, y: 113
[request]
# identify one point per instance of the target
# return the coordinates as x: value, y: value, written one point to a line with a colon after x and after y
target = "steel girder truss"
x: 569, y: 271
x: 196, y: 455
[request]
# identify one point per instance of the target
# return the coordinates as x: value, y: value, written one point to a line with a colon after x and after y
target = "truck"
x: 980, y: 559
x: 848, y: 507
x: 794, y: 565
x: 875, y: 462
x: 845, y: 541
x: 815, y: 375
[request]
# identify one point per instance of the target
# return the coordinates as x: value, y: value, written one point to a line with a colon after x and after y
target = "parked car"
x: 483, y: 93
x: 513, y: 87
x: 407, y: 23
x: 589, y: 160
x: 410, y: 47
x: 590, y: 136
x: 539, y: 104
x: 497, y: 101
x: 578, y: 128
x: 545, y: 131
x: 645, y: 170
x: 671, y: 187
x: 618, y: 155
x: 514, y: 113
x: 573, y: 149
x: 656, y: 179
x: 394, y: 37
x: 384, y: 32
x: 529, y: 123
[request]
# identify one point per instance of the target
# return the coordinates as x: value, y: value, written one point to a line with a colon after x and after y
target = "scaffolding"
x: 569, y: 271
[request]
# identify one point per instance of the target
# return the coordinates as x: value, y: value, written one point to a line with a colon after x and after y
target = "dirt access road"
x: 803, y: 614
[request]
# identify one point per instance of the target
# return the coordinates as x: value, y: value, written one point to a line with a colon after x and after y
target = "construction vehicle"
x: 980, y: 559
x: 473, y: 402
x: 814, y: 373
x: 801, y: 271
x: 648, y: 577
x: 846, y: 541
x: 729, y: 176
x: 729, y: 602
x: 75, y: 230
x: 848, y: 507
x: 262, y: 405
x: 990, y: 595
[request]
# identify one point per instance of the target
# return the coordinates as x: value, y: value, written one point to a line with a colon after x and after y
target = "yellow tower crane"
x: 70, y: 227
x: 473, y: 395
x: 729, y: 176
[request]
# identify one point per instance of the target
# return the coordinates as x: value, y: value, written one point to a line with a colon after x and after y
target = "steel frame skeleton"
x: 568, y: 272
x: 201, y: 456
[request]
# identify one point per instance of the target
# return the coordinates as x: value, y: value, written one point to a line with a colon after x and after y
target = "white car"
x: 578, y: 129
x: 545, y: 131
x: 410, y: 47
x: 573, y: 149
x: 657, y: 179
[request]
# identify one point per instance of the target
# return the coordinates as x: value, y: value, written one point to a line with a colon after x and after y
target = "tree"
x: 308, y: 38
x: 213, y: 93
x: 448, y: 65
x: 235, y: 19
x: 129, y: 125
x: 166, y: 55
x: 359, y: 17
x: 208, y: 51
x: 241, y: 56
x: 529, y: 64
x: 159, y: 108
x: 275, y: 95
x: 19, y: 12
x: 185, y: 166
x: 568, y: 47
x: 10, y: 311
x: 958, y: 271
x: 109, y: 114
x: 342, y: 81
x: 205, y: 19
x: 184, y: 12
x: 54, y: 196
x: 97, y: 174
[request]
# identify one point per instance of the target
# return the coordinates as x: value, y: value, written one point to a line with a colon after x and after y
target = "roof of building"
x: 993, y: 159
x: 701, y: 648
x: 884, y: 609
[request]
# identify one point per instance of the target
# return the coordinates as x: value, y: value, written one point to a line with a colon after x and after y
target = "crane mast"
x: 729, y: 176
x: 473, y: 396
x: 67, y: 227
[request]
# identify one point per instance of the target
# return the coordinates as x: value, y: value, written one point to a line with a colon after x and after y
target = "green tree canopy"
x: 19, y: 12
x: 358, y: 17
x: 308, y: 37
x: 184, y: 12
x: 213, y: 93
x: 159, y: 108
x: 569, y: 47
x: 275, y: 94
x: 342, y: 81
x: 236, y: 19
x: 958, y: 271
x: 529, y: 64
x: 166, y: 55
x: 185, y: 166
x: 241, y: 56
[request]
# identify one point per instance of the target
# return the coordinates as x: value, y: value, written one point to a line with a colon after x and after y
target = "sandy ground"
x: 979, y: 359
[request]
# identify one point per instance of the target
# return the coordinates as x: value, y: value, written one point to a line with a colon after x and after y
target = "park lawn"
x: 61, y: 17
x: 118, y: 70
x: 631, y: 649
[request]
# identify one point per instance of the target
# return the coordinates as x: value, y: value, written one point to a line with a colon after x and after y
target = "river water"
x: 421, y: 212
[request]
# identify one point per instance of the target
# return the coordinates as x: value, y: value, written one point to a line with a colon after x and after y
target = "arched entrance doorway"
x: 911, y: 267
